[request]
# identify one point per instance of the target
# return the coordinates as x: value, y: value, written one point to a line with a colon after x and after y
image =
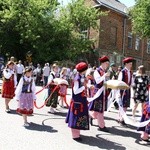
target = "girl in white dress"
x: 25, y: 95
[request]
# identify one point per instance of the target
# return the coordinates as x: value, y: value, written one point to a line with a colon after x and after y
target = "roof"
x: 115, y: 5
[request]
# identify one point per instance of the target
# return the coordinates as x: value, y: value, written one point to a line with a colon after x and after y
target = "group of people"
x: 89, y: 96
x: 86, y: 106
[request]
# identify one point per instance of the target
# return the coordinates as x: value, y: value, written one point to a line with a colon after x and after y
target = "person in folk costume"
x: 97, y: 106
x: 63, y: 75
x: 113, y: 76
x: 25, y: 94
x: 52, y: 90
x: 77, y: 117
x: 9, y: 84
x: 90, y: 82
x: 140, y: 88
x: 126, y: 76
x: 145, y: 131
x: 12, y: 58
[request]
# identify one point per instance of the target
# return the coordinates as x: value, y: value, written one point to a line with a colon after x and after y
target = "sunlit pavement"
x: 49, y: 131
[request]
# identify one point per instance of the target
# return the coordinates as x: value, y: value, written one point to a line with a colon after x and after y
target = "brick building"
x: 115, y: 37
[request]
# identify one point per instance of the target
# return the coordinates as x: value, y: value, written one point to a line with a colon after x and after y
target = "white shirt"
x: 19, y: 88
x: 20, y: 68
x: 76, y: 89
x: 129, y: 76
x: 50, y: 78
x: 7, y: 73
x: 46, y: 71
x: 99, y: 78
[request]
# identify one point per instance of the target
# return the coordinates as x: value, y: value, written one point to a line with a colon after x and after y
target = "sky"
x: 128, y: 3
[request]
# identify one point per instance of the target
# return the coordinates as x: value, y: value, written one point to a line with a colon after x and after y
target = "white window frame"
x: 148, y: 46
x: 137, y: 43
x: 84, y: 34
x: 131, y: 38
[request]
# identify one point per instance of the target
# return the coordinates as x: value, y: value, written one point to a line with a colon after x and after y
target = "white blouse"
x: 98, y: 78
x: 7, y: 73
x: 20, y: 85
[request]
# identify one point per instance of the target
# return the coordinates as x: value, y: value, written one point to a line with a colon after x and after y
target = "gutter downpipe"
x: 124, y: 35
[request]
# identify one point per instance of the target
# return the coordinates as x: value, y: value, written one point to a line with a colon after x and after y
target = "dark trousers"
x: 45, y: 80
x: 18, y: 77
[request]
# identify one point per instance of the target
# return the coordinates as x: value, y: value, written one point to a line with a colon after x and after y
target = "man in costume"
x: 124, y: 96
x: 98, y: 106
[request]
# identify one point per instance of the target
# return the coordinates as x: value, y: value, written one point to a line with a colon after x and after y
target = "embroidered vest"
x: 27, y: 86
x: 125, y: 77
x: 101, y: 72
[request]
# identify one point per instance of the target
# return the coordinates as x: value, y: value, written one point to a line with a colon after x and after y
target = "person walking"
x: 126, y: 76
x: 39, y: 72
x: 25, y: 94
x: 52, y: 90
x: 46, y: 72
x: 9, y: 84
x: 19, y: 70
x: 140, y: 89
x: 77, y: 117
x: 97, y: 106
x: 63, y: 75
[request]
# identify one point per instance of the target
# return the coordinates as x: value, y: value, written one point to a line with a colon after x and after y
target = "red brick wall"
x: 104, y: 38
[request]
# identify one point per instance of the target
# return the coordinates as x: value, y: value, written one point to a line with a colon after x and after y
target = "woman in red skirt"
x: 9, y: 84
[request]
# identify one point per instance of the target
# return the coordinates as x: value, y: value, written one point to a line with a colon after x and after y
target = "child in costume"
x: 52, y: 90
x: 25, y: 94
x: 145, y: 131
x: 77, y: 117
x: 9, y: 84
x: 63, y: 75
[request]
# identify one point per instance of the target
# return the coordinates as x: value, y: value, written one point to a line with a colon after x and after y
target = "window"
x: 113, y: 35
x: 148, y: 46
x: 130, y: 40
x: 137, y: 43
x: 84, y: 34
x: 118, y: 59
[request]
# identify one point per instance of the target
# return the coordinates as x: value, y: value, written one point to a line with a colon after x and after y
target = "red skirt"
x: 8, y: 90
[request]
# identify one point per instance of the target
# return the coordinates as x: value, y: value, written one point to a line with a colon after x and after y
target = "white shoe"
x: 7, y: 110
x: 26, y: 124
x: 133, y: 118
x: 51, y: 110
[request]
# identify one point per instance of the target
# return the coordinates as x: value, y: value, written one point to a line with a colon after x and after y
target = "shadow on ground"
x: 38, y: 127
x: 101, y: 143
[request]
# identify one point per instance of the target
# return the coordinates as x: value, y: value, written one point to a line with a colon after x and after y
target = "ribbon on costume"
x: 122, y: 112
x: 149, y: 93
x: 98, y: 93
x: 39, y: 107
x: 116, y: 85
x: 59, y: 82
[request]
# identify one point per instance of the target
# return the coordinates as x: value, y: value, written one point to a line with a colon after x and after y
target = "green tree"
x: 141, y: 17
x: 80, y: 18
x: 26, y: 24
x: 50, y: 31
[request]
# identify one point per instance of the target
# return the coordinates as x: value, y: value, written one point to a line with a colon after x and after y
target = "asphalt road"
x: 50, y: 132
